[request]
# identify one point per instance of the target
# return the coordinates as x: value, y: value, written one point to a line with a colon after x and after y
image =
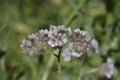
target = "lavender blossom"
x: 108, y: 68
x: 80, y: 44
x: 39, y: 37
x: 34, y: 42
x: 67, y: 52
x: 81, y: 41
x: 27, y: 46
x: 57, y: 36
x: 94, y: 45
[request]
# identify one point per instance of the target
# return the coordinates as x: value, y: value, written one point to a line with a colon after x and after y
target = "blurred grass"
x: 18, y: 18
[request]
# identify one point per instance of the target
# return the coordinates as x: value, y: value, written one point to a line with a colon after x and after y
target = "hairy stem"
x: 59, y: 64
x: 59, y: 71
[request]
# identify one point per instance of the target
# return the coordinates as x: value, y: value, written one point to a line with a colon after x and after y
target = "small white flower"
x: 34, y: 42
x: 75, y: 54
x: 83, y: 33
x: 80, y: 43
x: 108, y: 68
x: 26, y: 45
x: 67, y: 52
x: 85, y: 37
x: 32, y: 36
x: 81, y: 36
x: 94, y: 45
x: 57, y: 36
x: 77, y: 30
x: 52, y: 42
x: 81, y: 48
x: 61, y: 28
x: 52, y: 32
x: 62, y: 39
x: 40, y: 37
x: 45, y: 31
x: 76, y: 35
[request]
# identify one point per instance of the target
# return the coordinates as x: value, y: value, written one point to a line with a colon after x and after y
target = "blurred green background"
x: 18, y: 18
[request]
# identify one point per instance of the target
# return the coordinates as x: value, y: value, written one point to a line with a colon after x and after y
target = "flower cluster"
x: 27, y: 47
x: 72, y: 43
x: 57, y: 36
x: 34, y: 42
x: 108, y: 68
x: 77, y: 42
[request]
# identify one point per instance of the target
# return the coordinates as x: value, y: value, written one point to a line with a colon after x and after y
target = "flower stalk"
x: 59, y: 71
x: 59, y: 64
x: 88, y: 72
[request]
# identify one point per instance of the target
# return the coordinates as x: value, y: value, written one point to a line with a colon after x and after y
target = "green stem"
x: 74, y: 13
x: 59, y: 64
x: 59, y: 71
x: 88, y: 72
x: 49, y: 66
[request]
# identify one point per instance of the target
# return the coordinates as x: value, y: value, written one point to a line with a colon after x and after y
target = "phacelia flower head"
x: 27, y: 46
x: 57, y: 36
x: 39, y: 37
x: 77, y: 41
x: 81, y: 36
x: 80, y: 42
x: 108, y: 68
x: 69, y: 52
x: 34, y: 42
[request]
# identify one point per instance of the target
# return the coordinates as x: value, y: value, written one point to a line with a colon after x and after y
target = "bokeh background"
x: 18, y: 18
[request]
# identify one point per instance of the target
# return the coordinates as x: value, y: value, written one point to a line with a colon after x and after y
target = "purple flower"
x: 57, y: 36
x: 27, y: 46
x: 108, y: 68
x: 94, y: 45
